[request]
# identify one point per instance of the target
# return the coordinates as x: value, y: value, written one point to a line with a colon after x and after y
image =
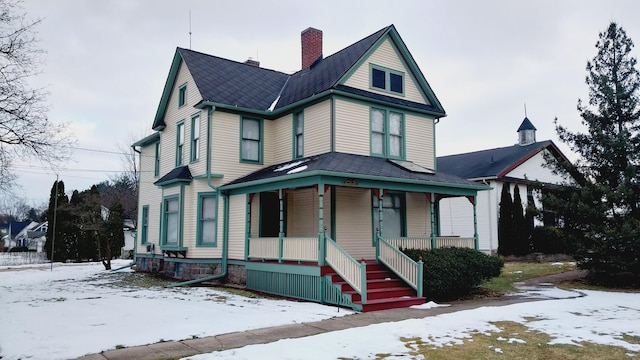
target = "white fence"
x: 22, y: 258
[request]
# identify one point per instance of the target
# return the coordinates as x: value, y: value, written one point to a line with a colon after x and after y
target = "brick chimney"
x: 311, y: 40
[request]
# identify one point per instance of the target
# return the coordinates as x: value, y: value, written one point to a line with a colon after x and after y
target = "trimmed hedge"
x: 450, y: 273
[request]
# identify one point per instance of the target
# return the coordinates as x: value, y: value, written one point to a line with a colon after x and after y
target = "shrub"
x: 453, y: 272
x: 549, y: 240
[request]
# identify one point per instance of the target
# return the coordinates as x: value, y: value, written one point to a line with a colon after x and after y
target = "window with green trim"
x: 387, y: 79
x: 182, y: 95
x: 387, y: 128
x: 195, y: 137
x: 156, y: 166
x: 180, y: 143
x: 251, y: 140
x: 207, y: 219
x: 171, y: 220
x: 393, y: 214
x: 298, y: 135
x: 144, y: 225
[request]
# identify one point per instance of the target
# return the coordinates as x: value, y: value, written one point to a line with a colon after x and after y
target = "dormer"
x: 526, y: 133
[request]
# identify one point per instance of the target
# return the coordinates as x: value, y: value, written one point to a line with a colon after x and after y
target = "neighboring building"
x: 129, y: 229
x: 29, y: 234
x: 516, y: 165
x: 277, y: 180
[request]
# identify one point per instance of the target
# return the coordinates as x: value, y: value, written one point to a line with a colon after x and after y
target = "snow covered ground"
x: 76, y: 309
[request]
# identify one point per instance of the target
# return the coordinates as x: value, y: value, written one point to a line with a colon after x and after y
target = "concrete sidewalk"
x: 184, y: 348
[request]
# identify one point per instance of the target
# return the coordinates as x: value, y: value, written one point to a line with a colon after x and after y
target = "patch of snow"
x: 290, y: 165
x: 297, y: 170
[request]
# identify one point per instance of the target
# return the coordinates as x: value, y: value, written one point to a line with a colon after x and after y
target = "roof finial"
x: 189, y: 29
x: 525, y: 109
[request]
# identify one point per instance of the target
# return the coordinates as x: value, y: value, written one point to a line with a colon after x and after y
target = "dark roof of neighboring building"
x: 492, y: 162
x: 239, y: 85
x: 352, y: 165
x: 526, y: 125
x: 16, y: 227
x: 179, y: 174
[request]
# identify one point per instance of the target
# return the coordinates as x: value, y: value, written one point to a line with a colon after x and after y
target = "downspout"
x: 225, y: 232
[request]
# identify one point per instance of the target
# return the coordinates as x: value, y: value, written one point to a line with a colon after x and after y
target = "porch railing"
x: 350, y: 269
x: 455, y: 241
x: 287, y: 248
x: 407, y: 269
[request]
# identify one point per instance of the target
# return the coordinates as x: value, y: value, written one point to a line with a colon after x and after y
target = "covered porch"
x: 305, y: 227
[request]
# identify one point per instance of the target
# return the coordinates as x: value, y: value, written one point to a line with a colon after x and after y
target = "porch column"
x: 476, y: 243
x: 322, y: 244
x: 432, y: 208
x: 247, y: 226
x: 380, y: 221
x: 281, y: 233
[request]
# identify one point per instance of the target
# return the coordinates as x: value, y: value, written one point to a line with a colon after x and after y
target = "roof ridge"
x: 497, y: 148
x: 229, y: 60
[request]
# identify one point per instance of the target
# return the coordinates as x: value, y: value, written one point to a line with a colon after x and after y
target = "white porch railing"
x: 407, y: 269
x: 455, y: 241
x: 350, y: 269
x: 289, y: 248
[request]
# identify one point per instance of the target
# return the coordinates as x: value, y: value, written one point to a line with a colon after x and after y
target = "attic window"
x: 387, y: 80
x: 182, y: 95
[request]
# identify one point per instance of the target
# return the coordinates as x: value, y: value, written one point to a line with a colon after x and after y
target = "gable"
x: 533, y: 169
x: 386, y: 56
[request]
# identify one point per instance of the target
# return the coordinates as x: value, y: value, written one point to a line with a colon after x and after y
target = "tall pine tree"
x: 57, y: 199
x: 520, y: 228
x: 505, y: 222
x: 601, y: 211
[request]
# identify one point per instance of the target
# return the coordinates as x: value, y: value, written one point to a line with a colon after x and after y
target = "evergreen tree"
x: 112, y: 238
x: 505, y: 222
x: 602, y: 210
x: 56, y: 218
x: 520, y: 228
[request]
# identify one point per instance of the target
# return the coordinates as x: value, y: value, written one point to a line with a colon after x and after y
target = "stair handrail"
x: 352, y: 271
x: 407, y: 269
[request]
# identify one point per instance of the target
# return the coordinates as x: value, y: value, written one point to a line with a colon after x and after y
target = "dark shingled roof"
x: 350, y: 165
x: 491, y: 162
x: 179, y: 174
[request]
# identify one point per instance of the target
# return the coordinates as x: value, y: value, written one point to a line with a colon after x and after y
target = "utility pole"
x: 55, y: 213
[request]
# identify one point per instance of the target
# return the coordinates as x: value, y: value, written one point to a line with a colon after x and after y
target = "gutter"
x: 225, y: 232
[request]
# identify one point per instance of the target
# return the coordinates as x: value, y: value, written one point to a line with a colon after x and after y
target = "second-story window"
x: 251, y: 140
x: 195, y: 137
x: 182, y: 95
x: 387, y: 138
x: 298, y: 135
x: 180, y: 143
x: 156, y: 166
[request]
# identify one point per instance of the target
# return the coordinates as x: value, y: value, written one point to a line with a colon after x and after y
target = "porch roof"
x: 351, y: 166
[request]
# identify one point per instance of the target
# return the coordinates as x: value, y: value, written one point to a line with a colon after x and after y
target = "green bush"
x: 450, y: 273
x: 548, y: 240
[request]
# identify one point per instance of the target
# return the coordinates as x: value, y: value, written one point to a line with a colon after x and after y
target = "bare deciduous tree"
x: 25, y: 130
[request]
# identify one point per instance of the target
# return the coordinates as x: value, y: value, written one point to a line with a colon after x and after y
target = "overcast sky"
x: 107, y: 62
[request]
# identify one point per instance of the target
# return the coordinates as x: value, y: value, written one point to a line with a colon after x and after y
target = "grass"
x: 514, y: 272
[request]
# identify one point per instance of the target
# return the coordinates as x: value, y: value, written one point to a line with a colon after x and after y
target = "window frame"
x: 156, y: 164
x: 180, y: 143
x: 402, y: 199
x: 387, y: 79
x: 298, y: 137
x: 165, y: 222
x: 182, y: 95
x: 260, y: 140
x: 144, y: 225
x: 200, y: 220
x: 194, y: 151
x: 386, y: 134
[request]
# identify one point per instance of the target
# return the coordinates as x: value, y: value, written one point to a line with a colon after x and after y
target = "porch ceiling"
x: 349, y: 166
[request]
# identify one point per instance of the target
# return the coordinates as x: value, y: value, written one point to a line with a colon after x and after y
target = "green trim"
x: 179, y: 148
x: 180, y: 260
x: 182, y: 95
x: 201, y: 197
x: 387, y: 76
x: 298, y: 117
x: 194, y: 143
x: 144, y: 225
x: 283, y: 268
x: 148, y: 140
x: 180, y: 213
x: 247, y: 225
x: 205, y: 176
x: 260, y: 140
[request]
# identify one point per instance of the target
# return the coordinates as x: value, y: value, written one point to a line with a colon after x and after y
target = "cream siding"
x: 386, y: 55
x: 303, y: 212
x: 190, y: 221
x: 533, y: 169
x: 354, y: 222
x: 317, y: 129
x: 150, y: 196
x: 237, y: 220
x: 352, y: 127
x: 418, y: 215
x: 282, y: 139
x: 419, y: 139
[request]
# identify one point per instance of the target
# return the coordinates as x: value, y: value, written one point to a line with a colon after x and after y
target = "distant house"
x: 29, y: 234
x: 302, y: 185
x: 516, y: 165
